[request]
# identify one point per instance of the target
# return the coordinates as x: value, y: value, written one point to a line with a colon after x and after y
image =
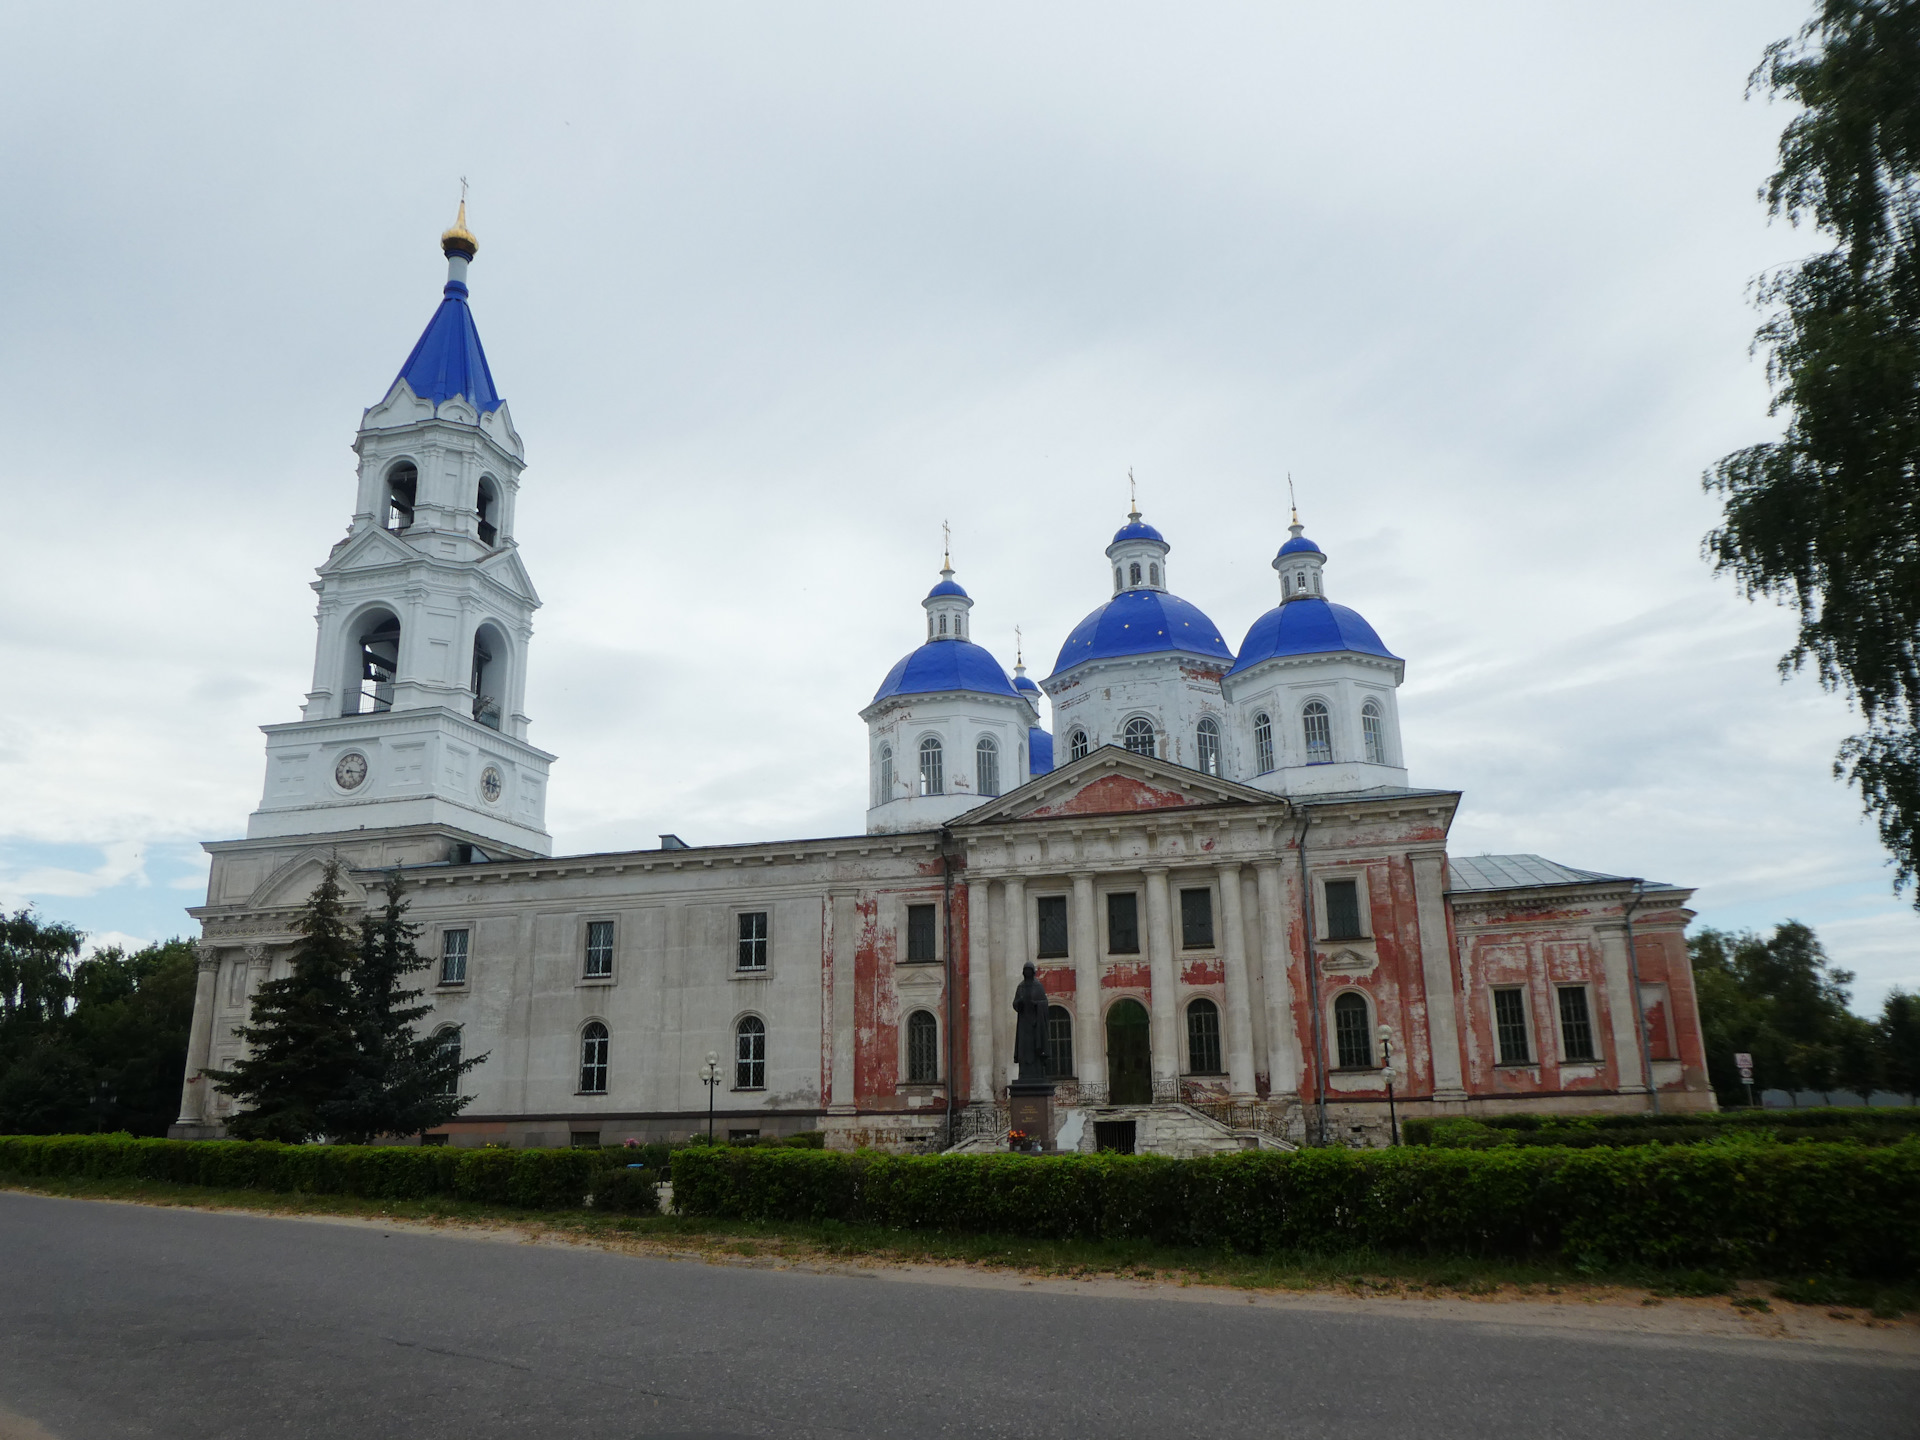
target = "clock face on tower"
x: 350, y: 771
x: 490, y: 784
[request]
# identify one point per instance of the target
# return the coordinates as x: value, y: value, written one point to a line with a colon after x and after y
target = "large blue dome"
x: 940, y: 666
x: 1308, y: 626
x: 1141, y: 622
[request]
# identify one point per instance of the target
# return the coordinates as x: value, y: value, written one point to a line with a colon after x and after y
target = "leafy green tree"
x: 1827, y: 518
x: 1778, y: 999
x: 1899, y: 1028
x: 402, y: 1082
x: 304, y: 1053
x: 1859, y: 1063
x: 36, y: 979
x: 130, y: 1019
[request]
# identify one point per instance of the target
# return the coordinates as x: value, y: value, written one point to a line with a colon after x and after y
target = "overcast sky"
x: 773, y: 290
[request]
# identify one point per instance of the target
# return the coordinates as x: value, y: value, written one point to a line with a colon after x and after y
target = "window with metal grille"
x: 599, y: 949
x: 446, y: 1050
x: 1510, y: 1026
x: 933, y: 774
x: 1203, y: 1038
x: 1318, y: 728
x: 753, y: 940
x: 923, y: 1049
x: 1153, y: 574
x: 593, y: 1059
x: 986, y: 766
x: 1576, y: 1024
x: 1123, y: 924
x: 1352, y: 1036
x: 1263, y: 743
x: 1206, y: 746
x: 453, y: 957
x: 1343, y: 910
x: 883, y: 792
x: 1196, y: 919
x: 750, y: 1054
x: 1375, y: 736
x: 1139, y: 736
x: 1133, y: 573
x: 1078, y: 745
x: 1051, y: 911
x: 1059, y: 1043
x: 922, y: 934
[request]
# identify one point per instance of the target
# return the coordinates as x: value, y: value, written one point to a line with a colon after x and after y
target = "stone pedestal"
x: 1030, y: 1108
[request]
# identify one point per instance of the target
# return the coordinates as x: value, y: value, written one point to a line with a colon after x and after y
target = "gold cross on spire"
x: 946, y: 546
x: 1133, y: 496
x: 1019, y: 658
x: 1292, y: 504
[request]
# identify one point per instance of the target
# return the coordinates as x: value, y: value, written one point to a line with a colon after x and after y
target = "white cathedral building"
x: 1244, y: 912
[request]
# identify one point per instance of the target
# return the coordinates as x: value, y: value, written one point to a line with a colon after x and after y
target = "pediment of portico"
x: 1113, y: 781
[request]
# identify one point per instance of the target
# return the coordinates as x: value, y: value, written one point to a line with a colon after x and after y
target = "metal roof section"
x: 447, y: 359
x: 1527, y: 872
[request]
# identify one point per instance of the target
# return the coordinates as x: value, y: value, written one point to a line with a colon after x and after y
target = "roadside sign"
x: 1743, y: 1060
x: 1746, y: 1075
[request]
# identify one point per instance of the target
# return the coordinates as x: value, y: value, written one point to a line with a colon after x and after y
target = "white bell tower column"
x: 417, y: 710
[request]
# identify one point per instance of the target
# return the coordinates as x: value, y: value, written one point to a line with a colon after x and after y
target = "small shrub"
x: 626, y: 1191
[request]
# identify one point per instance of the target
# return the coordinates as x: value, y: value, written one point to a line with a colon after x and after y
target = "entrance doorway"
x: 1129, y: 1055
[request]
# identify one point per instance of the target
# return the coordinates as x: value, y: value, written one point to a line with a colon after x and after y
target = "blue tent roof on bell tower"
x: 447, y: 360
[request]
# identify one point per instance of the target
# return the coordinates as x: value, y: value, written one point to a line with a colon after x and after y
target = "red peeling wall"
x: 1114, y: 793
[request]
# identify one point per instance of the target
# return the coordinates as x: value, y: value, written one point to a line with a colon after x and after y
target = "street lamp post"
x: 710, y: 1077
x: 1385, y: 1033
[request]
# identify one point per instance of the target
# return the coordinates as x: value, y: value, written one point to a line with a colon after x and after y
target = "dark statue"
x: 1030, y: 1030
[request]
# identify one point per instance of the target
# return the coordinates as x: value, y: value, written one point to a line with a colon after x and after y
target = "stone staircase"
x: 1177, y: 1129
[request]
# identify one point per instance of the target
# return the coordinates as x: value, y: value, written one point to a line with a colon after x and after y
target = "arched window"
x: 1206, y: 742
x: 1059, y: 1043
x: 986, y: 766
x: 1316, y: 582
x: 376, y: 662
x: 1376, y: 737
x: 487, y: 504
x: 1078, y: 746
x: 1133, y: 573
x: 1203, y: 1037
x: 923, y: 1049
x: 1263, y: 743
x: 446, y: 1053
x: 883, y: 792
x: 1153, y: 574
x: 1318, y: 728
x: 750, y: 1054
x: 403, y: 485
x: 1286, y: 586
x: 1139, y: 736
x: 943, y: 624
x: 489, y: 661
x: 1299, y: 579
x: 933, y: 779
x: 1118, y: 583
x: 1352, y: 1035
x: 593, y: 1059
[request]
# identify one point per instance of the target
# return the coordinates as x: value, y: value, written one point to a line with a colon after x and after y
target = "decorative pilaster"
x: 1239, y: 1036
x: 1622, y: 1010
x: 980, y: 1086
x: 846, y: 919
x: 1089, y: 1037
x: 1017, y: 948
x: 1166, y: 1045
x: 194, y: 1085
x: 1436, y: 968
x: 1276, y: 915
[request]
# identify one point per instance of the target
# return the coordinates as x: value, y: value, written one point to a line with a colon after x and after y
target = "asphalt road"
x: 122, y: 1320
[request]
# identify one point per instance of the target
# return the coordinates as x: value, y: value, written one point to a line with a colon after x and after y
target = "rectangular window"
x: 1059, y: 1043
x: 753, y: 940
x: 1203, y: 1038
x: 453, y: 957
x: 1343, y: 910
x: 1123, y: 924
x: 1053, y: 926
x: 1196, y: 920
x: 585, y: 1139
x: 1576, y: 1024
x: 1510, y: 1026
x: 921, y: 934
x: 599, y: 949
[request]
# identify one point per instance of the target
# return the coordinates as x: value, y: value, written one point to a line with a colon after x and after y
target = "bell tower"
x: 416, y: 715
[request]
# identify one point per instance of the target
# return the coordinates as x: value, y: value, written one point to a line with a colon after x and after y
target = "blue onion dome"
x: 946, y: 666
x: 1308, y: 625
x: 1142, y: 622
x: 1022, y: 682
x: 1039, y: 751
x: 1138, y: 529
x: 947, y: 587
x: 1300, y: 545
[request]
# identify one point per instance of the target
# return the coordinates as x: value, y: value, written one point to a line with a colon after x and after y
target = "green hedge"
x: 1855, y: 1126
x: 1833, y: 1209
x: 530, y: 1179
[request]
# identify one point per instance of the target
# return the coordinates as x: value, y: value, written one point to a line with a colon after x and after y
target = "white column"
x: 1166, y: 1049
x: 1276, y: 923
x: 1017, y: 951
x: 1623, y: 1010
x: 193, y: 1085
x: 1239, y: 1017
x: 1436, y: 968
x: 1089, y: 1035
x: 980, y: 1087
x: 844, y: 921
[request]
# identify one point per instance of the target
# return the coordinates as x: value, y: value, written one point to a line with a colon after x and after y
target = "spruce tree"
x: 303, y: 1054
x: 402, y: 1083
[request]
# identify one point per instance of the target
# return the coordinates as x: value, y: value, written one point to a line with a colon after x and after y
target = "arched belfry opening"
x: 489, y: 675
x: 375, y: 662
x: 487, y: 506
x: 403, y: 487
